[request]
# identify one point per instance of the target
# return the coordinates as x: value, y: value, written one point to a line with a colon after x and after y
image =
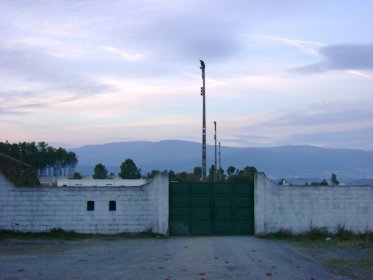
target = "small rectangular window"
x: 112, y: 205
x: 90, y: 205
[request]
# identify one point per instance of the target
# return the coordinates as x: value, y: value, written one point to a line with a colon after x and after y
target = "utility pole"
x: 219, y: 178
x: 203, y: 93
x: 216, y: 165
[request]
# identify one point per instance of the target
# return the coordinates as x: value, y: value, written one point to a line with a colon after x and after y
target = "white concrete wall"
x: 299, y: 208
x: 100, y: 182
x: 35, y: 209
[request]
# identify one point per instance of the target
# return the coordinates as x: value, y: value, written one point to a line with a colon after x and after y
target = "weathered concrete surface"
x: 35, y: 209
x: 156, y: 258
x: 301, y: 208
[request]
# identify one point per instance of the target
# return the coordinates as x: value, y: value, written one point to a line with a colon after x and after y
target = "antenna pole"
x: 203, y: 93
x: 219, y: 163
x: 216, y: 165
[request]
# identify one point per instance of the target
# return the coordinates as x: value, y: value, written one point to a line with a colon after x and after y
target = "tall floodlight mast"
x: 219, y: 175
x: 203, y: 93
x: 216, y: 165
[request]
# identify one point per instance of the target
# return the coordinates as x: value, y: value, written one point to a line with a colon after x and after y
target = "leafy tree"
x: 221, y: 175
x: 250, y: 169
x: 194, y: 176
x: 243, y: 176
x: 231, y: 170
x: 129, y: 170
x: 152, y: 173
x: 182, y: 176
x: 197, y: 171
x: 171, y: 175
x: 322, y: 183
x: 334, y: 179
x: 46, y: 160
x: 76, y: 175
x: 211, y: 175
x: 100, y: 172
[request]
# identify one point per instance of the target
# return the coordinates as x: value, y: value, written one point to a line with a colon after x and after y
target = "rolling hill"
x: 297, y: 162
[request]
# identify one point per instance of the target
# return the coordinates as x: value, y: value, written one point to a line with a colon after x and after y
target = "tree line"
x: 333, y: 179
x: 47, y: 160
x: 233, y: 174
x: 50, y: 161
x: 129, y: 170
x: 324, y: 182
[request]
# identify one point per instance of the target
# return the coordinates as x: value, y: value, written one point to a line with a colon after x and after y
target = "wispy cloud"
x: 359, y: 74
x: 125, y: 55
x: 49, y: 47
x: 341, y: 57
x: 305, y: 46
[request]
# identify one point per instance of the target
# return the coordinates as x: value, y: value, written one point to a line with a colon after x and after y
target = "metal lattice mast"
x: 216, y: 165
x: 219, y: 163
x: 203, y: 93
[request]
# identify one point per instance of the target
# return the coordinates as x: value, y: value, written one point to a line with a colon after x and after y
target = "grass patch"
x: 365, y: 262
x: 321, y: 236
x: 70, y: 235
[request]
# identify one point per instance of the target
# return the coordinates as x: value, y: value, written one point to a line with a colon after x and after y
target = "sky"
x: 289, y: 72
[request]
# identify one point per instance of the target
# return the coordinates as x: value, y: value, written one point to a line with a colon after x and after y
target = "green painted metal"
x: 211, y: 208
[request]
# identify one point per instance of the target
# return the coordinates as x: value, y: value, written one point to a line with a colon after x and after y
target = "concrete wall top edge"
x: 85, y: 188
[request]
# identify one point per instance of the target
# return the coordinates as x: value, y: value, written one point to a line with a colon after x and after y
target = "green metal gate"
x: 211, y: 208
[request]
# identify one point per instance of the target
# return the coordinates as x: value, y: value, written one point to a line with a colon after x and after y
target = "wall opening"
x: 90, y: 205
x: 112, y: 205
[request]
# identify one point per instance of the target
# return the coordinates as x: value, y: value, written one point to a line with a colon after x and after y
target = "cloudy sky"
x: 278, y: 72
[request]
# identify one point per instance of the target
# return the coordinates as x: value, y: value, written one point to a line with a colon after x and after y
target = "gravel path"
x: 158, y: 258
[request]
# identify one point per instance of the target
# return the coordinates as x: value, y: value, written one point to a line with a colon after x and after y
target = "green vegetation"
x: 322, y: 183
x: 152, y: 173
x: 58, y: 233
x: 246, y: 175
x: 100, y: 172
x: 12, y: 169
x: 321, y: 236
x: 129, y: 170
x: 76, y: 175
x: 368, y: 262
x: 334, y: 179
x: 46, y: 160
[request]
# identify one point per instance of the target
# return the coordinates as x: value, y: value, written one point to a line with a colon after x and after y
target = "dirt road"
x: 156, y: 258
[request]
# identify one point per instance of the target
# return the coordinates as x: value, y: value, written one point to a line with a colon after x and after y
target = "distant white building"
x: 65, y: 182
x: 284, y: 182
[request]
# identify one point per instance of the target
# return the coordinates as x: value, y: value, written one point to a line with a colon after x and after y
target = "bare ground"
x: 176, y: 258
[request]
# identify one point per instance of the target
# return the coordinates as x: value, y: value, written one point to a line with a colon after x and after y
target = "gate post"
x: 259, y: 203
x: 160, y: 193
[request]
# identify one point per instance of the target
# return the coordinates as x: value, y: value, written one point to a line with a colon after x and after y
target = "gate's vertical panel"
x: 201, y: 221
x: 223, y: 209
x: 180, y: 220
x: 243, y: 216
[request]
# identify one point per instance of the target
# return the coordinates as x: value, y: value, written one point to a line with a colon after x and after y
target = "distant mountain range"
x: 299, y: 163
